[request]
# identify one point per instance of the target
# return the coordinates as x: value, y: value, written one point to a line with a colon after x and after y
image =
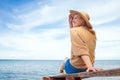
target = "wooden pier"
x: 80, y: 76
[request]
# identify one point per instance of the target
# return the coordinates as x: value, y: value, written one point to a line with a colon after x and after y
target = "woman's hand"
x: 92, y: 69
x: 70, y: 20
x: 88, y: 63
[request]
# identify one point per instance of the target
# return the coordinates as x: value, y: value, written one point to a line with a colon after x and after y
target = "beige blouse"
x: 83, y: 42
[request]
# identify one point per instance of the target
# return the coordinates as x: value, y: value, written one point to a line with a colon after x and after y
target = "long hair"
x: 90, y: 29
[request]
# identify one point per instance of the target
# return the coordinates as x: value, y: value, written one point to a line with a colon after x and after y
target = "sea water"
x: 36, y: 69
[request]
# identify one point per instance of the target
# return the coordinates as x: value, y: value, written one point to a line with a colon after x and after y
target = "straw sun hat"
x: 84, y: 15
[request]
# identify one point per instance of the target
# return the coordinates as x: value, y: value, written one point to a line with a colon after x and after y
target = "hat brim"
x: 73, y: 12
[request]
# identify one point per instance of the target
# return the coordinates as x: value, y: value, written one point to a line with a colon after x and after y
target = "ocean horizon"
x: 18, y: 69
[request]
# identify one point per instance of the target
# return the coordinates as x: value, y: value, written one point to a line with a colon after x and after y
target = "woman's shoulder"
x: 79, y: 29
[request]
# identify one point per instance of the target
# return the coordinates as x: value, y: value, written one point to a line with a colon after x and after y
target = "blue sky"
x: 38, y: 29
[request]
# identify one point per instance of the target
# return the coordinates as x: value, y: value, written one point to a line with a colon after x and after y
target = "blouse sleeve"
x: 79, y: 47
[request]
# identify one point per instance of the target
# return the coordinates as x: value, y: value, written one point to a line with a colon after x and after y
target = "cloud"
x: 41, y: 16
x: 36, y: 44
x: 108, y: 33
x: 105, y: 12
x: 53, y: 12
x: 108, y: 50
x: 32, y: 41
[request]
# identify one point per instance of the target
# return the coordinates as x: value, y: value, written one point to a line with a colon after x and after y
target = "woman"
x: 83, y: 43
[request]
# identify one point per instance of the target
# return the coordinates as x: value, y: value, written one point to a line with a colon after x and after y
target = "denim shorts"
x: 69, y: 69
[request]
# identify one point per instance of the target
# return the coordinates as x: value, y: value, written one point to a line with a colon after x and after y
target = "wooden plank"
x: 72, y: 78
x: 79, y: 76
x: 103, y: 73
x: 44, y: 78
x: 61, y: 78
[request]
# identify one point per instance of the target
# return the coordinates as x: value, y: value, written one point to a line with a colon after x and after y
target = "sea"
x: 36, y: 69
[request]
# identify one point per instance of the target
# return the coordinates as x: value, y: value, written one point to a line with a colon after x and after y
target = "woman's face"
x: 77, y: 21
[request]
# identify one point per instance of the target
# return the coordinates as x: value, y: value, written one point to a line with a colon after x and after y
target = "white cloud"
x: 33, y: 41
x: 40, y: 16
x: 40, y: 45
x: 105, y: 12
x: 108, y: 50
x: 108, y: 33
x: 100, y: 13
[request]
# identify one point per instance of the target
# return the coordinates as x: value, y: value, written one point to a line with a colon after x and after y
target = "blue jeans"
x: 69, y: 69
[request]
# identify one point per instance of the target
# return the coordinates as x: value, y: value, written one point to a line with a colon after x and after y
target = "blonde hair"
x: 90, y: 29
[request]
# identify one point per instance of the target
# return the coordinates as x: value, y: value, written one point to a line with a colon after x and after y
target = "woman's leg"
x: 62, y: 66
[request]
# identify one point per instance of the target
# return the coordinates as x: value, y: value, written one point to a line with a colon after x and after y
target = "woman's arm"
x: 88, y: 63
x: 70, y: 20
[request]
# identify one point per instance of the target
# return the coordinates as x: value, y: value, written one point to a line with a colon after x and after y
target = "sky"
x: 39, y: 30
